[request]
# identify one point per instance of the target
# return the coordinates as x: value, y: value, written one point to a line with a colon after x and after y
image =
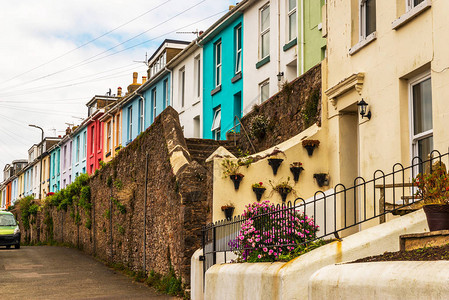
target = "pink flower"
x: 259, y: 256
x: 265, y: 249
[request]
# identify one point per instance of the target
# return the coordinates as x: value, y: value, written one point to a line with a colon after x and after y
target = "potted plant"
x: 296, y: 168
x: 228, y: 210
x: 433, y: 189
x: 321, y: 178
x: 283, y: 188
x: 258, y: 189
x: 310, y: 145
x: 231, y: 170
x: 275, y: 163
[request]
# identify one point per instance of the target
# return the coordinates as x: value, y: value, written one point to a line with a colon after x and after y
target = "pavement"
x: 46, y: 272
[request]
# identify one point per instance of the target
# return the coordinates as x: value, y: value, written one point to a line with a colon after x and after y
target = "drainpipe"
x: 279, y: 43
x: 302, y: 37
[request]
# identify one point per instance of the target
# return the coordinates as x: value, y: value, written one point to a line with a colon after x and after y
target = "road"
x: 44, y: 272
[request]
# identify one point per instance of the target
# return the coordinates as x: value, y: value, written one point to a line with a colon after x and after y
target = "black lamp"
x: 362, y: 104
x: 280, y: 75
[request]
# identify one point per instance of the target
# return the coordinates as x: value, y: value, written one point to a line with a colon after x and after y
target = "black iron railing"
x: 340, y: 211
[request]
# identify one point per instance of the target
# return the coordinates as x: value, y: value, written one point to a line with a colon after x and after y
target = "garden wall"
x: 176, y: 206
x: 296, y: 107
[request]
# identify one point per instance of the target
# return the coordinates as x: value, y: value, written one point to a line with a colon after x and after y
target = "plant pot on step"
x: 259, y: 192
x: 296, y: 172
x: 321, y: 179
x: 236, y: 178
x: 275, y: 164
x: 228, y: 211
x: 284, y: 193
x: 437, y: 216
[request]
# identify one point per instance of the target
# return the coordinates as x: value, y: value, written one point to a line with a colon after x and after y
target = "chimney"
x: 231, y: 7
x: 144, y: 79
x: 133, y: 86
x: 119, y: 92
x: 135, y: 77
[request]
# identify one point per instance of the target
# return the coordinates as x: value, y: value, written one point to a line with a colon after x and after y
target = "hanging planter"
x: 310, y: 145
x: 236, y: 179
x: 258, y: 189
x: 296, y: 168
x: 228, y: 211
x: 321, y: 179
x: 275, y: 164
x: 283, y: 188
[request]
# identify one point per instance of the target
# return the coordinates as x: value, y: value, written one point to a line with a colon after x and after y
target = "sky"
x: 56, y: 55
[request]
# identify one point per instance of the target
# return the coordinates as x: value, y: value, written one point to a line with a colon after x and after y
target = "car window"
x: 7, y: 220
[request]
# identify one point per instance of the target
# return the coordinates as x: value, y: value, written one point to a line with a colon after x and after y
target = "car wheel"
x: 8, y: 247
x: 17, y: 246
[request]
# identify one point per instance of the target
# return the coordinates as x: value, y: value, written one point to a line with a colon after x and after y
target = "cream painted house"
x: 270, y: 49
x: 187, y: 89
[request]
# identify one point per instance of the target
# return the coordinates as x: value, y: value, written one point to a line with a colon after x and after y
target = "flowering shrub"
x: 269, y: 232
x: 433, y: 188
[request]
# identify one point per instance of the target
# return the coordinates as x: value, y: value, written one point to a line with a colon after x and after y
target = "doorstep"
x: 413, y: 241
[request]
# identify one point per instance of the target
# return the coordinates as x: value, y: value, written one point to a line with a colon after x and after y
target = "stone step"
x: 201, y: 149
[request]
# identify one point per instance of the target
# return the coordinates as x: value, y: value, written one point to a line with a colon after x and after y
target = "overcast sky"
x: 56, y: 55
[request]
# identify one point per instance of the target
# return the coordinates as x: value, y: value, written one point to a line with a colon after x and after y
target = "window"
x: 264, y: 88
x: 196, y: 127
x: 153, y: 101
x: 85, y: 144
x: 92, y: 141
x: 130, y: 122
x: 182, y: 85
x: 117, y: 129
x: 264, y: 32
x: 412, y: 3
x: 238, y: 49
x: 64, y: 157
x: 197, y: 76
x: 217, y: 48
x: 165, y: 92
x: 216, y: 124
x: 108, y: 141
x: 77, y: 153
x: 367, y: 18
x: 420, y: 92
x: 291, y: 19
x: 141, y: 112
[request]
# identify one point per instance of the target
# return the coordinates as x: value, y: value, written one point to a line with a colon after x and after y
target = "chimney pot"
x: 119, y: 91
x: 144, y: 79
x: 135, y: 77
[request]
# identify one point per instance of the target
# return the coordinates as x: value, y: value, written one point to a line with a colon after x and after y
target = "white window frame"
x: 130, y: 123
x: 217, y: 49
x: 153, y: 96
x: 167, y: 101
x: 414, y: 139
x: 109, y: 142
x: 263, y: 32
x: 216, y: 123
x: 261, y: 85
x: 182, y: 85
x: 410, y: 5
x: 362, y: 20
x: 197, y: 76
x: 238, y: 51
x: 290, y: 13
x: 85, y: 144
x: 142, y: 115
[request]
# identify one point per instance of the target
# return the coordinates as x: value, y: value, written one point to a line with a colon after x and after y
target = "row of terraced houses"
x: 241, y: 60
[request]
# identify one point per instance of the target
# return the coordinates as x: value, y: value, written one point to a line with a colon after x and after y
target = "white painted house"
x: 270, y: 49
x: 187, y: 89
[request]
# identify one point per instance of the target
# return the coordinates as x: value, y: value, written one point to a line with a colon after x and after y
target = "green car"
x: 9, y: 230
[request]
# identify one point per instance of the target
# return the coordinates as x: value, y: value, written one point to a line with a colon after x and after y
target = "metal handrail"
x: 244, y: 130
x: 345, y: 207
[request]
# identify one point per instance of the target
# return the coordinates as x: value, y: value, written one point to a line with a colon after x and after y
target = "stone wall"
x: 287, y: 113
x: 176, y: 205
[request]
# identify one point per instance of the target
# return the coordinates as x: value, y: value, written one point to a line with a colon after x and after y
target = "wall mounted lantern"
x: 280, y: 75
x: 362, y: 104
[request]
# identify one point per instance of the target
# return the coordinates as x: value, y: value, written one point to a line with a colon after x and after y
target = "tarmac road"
x: 45, y: 272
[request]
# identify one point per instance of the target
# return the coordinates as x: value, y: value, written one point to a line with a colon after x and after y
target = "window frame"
x: 165, y: 93
x: 197, y: 76
x: 415, y: 138
x: 238, y: 50
x: 409, y: 5
x: 264, y: 83
x: 77, y: 149
x: 363, y: 20
x: 217, y: 63
x: 130, y: 122
x: 153, y: 102
x: 263, y: 32
x: 182, y: 85
x: 108, y: 140
x: 141, y: 115
x: 216, y: 130
x: 290, y: 13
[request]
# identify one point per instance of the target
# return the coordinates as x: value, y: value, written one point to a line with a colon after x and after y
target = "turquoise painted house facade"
x: 157, y: 97
x: 223, y: 77
x: 79, y: 152
x: 133, y: 120
x: 55, y: 169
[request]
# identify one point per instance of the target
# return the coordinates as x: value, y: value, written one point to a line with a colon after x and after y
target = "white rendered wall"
x: 279, y: 59
x: 193, y: 105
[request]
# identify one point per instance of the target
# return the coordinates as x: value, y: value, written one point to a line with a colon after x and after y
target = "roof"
x: 162, y: 45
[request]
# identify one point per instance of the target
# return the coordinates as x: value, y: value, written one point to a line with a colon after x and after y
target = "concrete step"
x: 201, y: 149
